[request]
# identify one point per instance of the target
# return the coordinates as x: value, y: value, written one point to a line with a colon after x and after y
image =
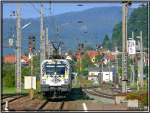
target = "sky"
x: 31, y: 10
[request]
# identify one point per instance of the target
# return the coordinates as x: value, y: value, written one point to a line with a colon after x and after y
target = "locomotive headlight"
x: 66, y: 81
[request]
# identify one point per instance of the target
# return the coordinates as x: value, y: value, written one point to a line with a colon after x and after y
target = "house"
x: 93, y: 73
x: 25, y: 60
x: 92, y: 54
x: 10, y: 58
x: 106, y: 75
x: 69, y: 57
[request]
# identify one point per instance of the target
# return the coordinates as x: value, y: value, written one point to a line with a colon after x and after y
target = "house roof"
x: 10, y: 58
x: 110, y: 57
x: 92, y: 53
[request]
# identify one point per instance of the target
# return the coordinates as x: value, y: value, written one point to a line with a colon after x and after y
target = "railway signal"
x: 32, y: 43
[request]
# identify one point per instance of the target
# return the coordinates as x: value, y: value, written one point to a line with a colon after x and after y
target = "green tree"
x: 8, y: 75
x: 84, y: 64
x: 137, y: 22
x: 117, y: 36
x: 106, y: 42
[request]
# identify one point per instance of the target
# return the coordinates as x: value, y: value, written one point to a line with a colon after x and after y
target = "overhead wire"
x: 37, y: 10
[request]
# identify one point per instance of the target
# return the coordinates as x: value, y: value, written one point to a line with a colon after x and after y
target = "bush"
x: 141, y: 96
x: 132, y: 96
x: 85, y: 72
x: 8, y: 75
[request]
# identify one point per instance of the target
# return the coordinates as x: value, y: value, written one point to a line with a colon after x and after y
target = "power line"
x: 38, y: 11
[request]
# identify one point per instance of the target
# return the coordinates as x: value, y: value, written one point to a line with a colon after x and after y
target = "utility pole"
x: 140, y: 62
x: 102, y: 74
x: 60, y: 53
x: 47, y: 44
x: 18, y: 51
x: 141, y: 52
x: 124, y: 47
x: 31, y: 90
x: 42, y: 48
x: 116, y: 62
x: 51, y: 49
x: 132, y: 66
x: 109, y: 66
x: 132, y: 74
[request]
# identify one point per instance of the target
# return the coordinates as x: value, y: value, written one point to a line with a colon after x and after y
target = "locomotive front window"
x: 51, y: 69
x: 60, y: 70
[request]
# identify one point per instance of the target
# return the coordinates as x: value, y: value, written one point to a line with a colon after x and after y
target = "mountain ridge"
x: 96, y: 23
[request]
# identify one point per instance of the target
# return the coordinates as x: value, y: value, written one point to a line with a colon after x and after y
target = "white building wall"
x: 107, y: 76
x: 93, y: 73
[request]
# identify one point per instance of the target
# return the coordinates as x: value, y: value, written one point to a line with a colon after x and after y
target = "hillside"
x: 96, y: 23
x: 138, y: 21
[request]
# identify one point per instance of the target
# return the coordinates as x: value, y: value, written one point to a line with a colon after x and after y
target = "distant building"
x: 68, y: 57
x: 107, y: 75
x: 96, y: 72
x: 93, y: 73
x: 11, y: 59
x: 92, y: 54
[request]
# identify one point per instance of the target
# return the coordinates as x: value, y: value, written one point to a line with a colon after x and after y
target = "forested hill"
x: 138, y: 21
x: 96, y: 23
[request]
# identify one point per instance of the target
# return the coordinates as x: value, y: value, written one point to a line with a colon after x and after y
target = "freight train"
x: 56, y: 77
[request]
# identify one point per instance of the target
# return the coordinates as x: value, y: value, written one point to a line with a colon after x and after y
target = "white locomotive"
x: 56, y: 77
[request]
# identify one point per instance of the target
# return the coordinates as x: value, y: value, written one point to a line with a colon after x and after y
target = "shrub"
x: 141, y: 96
x: 144, y: 98
x: 132, y: 96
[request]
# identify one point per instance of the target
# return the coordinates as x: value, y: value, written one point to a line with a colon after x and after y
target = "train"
x: 56, y: 77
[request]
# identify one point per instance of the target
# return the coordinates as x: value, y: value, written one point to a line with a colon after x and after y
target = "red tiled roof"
x: 92, y: 54
x: 9, y: 59
x: 110, y: 57
x: 12, y: 58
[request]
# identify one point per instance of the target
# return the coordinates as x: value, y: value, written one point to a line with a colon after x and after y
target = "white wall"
x: 92, y: 78
x: 107, y: 76
x: 93, y: 73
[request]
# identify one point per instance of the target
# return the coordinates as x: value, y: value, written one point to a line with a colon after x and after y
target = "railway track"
x: 7, y: 95
x: 51, y: 106
x: 99, y: 94
x: 11, y: 98
x: 24, y: 103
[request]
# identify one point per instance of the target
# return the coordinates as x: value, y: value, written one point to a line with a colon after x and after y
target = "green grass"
x: 11, y: 90
x: 145, y: 88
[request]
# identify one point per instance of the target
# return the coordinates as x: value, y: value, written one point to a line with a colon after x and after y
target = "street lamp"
x: 26, y: 25
x: 11, y: 40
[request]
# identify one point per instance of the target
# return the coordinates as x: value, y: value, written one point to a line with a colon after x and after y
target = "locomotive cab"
x: 56, y: 77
